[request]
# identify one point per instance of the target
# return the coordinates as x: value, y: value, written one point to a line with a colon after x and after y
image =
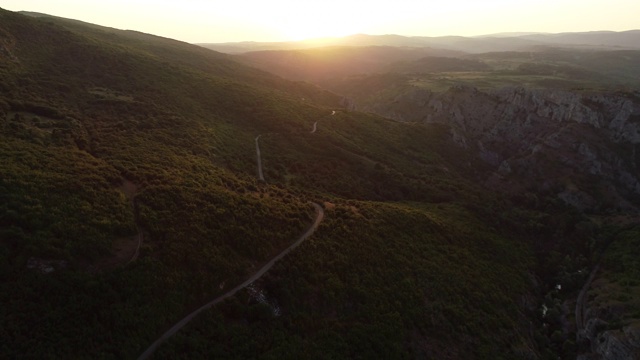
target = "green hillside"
x: 130, y: 198
x: 359, y: 73
x: 324, y: 64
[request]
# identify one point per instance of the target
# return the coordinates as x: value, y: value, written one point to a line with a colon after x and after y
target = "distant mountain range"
x: 600, y: 40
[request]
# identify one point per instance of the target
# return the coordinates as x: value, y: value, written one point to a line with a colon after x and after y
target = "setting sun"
x: 301, y: 29
x: 294, y: 20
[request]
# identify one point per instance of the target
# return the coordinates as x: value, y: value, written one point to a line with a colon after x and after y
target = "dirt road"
x: 179, y: 325
x: 260, y: 175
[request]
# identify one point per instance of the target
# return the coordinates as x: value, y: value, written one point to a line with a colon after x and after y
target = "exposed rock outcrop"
x: 611, y: 344
x: 578, y: 147
x: 7, y: 45
x: 581, y: 146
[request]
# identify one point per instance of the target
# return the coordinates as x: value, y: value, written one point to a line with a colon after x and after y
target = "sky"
x: 214, y: 21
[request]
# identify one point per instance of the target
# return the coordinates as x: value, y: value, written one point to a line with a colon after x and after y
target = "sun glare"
x: 305, y: 28
x: 302, y: 20
x: 306, y: 33
x: 280, y: 20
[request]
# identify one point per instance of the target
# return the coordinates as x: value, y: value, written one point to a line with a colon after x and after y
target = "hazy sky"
x: 277, y: 20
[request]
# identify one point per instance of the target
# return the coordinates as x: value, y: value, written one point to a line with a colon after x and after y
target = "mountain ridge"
x: 473, y: 44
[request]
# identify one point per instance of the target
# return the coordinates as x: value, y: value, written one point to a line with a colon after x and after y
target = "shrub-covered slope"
x: 129, y: 198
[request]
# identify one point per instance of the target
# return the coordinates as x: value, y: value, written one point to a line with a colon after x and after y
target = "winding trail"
x: 130, y: 190
x: 136, y: 253
x: 179, y: 325
x: 260, y: 174
x: 259, y: 157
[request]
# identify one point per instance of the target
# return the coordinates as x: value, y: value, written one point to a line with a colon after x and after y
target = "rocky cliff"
x: 611, y: 344
x: 580, y: 147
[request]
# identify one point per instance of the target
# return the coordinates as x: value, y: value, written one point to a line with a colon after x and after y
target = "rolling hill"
x: 130, y: 199
x: 321, y: 64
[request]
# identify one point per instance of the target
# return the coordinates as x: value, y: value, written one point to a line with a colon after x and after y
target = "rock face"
x: 7, y: 44
x: 610, y: 344
x: 579, y: 146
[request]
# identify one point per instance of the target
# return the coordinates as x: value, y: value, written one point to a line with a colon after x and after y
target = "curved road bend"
x: 254, y: 277
x: 260, y: 175
x: 315, y: 124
